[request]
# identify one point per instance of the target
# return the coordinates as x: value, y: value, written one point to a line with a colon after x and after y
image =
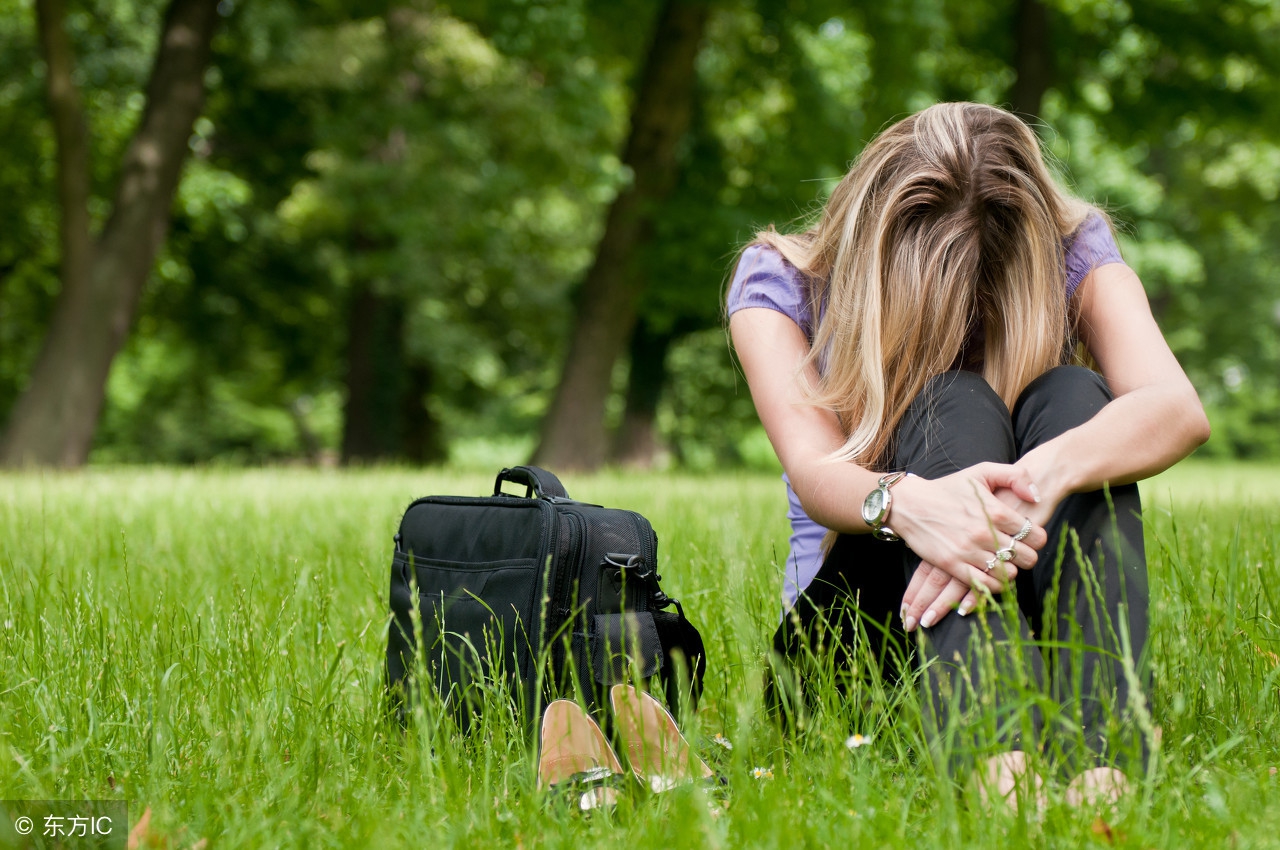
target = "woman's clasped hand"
x: 959, y: 525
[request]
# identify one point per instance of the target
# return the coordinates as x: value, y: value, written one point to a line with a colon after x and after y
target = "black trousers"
x: 1081, y: 617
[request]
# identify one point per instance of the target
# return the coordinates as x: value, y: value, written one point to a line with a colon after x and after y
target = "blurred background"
x: 258, y: 231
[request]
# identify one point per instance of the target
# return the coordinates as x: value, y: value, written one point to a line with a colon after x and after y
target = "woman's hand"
x: 958, y: 524
x: 1045, y: 466
x: 932, y: 594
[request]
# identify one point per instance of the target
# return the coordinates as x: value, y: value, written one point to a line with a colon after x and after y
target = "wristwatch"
x: 875, y: 508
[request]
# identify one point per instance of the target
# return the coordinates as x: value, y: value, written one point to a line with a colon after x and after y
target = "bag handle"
x: 538, y: 483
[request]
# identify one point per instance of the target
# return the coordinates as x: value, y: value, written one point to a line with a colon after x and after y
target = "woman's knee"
x: 1057, y: 401
x: 959, y: 387
x: 958, y: 420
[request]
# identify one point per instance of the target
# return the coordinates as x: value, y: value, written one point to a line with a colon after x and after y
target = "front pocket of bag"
x: 622, y: 644
x: 475, y: 621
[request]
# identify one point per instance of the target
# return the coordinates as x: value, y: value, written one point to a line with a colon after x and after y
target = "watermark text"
x: 70, y: 824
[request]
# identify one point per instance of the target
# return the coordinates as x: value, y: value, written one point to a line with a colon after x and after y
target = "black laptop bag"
x: 537, y: 594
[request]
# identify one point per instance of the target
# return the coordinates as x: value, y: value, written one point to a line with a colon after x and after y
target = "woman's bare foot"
x: 1097, y: 786
x: 1009, y: 778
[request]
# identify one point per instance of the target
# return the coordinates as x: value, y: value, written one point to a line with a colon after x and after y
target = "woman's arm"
x: 1156, y: 418
x: 772, y: 351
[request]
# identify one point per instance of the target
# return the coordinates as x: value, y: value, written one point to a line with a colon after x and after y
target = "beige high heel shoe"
x: 575, y: 759
x: 1097, y: 787
x: 659, y: 755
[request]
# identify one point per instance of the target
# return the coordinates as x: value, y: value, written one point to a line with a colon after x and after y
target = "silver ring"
x: 991, y: 564
x: 1026, y: 529
x: 1005, y: 554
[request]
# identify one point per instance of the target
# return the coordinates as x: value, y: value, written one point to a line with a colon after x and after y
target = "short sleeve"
x: 764, y: 279
x: 1091, y: 246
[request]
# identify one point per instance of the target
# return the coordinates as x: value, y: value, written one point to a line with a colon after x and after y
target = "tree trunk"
x: 637, y: 441
x: 385, y: 417
x: 422, y: 438
x: 360, y: 439
x: 375, y: 378
x: 54, y: 420
x: 1033, y: 58
x: 573, y: 432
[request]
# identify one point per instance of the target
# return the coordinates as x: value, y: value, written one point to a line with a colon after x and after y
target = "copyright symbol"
x: 23, y: 825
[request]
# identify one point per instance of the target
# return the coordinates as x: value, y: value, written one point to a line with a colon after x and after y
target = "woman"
x: 922, y: 327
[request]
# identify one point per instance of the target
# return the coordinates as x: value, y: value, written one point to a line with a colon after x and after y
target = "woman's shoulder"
x: 764, y: 278
x: 1093, y: 244
x: 760, y: 261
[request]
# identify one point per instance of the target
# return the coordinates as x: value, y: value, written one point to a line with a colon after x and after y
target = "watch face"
x: 873, y: 507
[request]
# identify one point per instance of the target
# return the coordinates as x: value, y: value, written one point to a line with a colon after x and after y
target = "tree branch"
x: 153, y: 163
x: 71, y: 138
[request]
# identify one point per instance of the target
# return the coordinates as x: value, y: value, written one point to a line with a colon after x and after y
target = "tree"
x: 637, y: 442
x: 457, y: 179
x: 102, y: 277
x: 573, y: 432
x: 1033, y: 58
x: 417, y: 189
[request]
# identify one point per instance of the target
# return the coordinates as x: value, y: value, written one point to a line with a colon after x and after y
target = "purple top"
x: 764, y: 279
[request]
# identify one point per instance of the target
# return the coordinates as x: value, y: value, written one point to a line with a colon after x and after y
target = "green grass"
x: 210, y: 644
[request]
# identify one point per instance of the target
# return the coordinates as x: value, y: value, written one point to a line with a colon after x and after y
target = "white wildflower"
x: 857, y: 740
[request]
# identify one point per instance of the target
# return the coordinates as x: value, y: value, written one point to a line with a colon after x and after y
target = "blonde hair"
x: 948, y: 229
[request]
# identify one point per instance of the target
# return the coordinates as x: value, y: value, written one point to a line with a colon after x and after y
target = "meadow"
x: 209, y: 644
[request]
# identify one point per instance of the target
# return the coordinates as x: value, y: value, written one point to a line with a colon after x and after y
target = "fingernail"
x: 1035, y: 492
x: 963, y: 610
x: 928, y: 618
x: 902, y: 612
x: 909, y: 624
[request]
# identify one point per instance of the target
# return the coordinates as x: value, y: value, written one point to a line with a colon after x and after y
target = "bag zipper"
x: 649, y: 545
x: 573, y: 553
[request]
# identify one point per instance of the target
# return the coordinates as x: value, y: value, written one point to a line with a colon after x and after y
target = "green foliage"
x: 707, y: 413
x: 210, y: 644
x: 28, y: 257
x: 461, y: 180
x: 401, y: 152
x: 458, y: 160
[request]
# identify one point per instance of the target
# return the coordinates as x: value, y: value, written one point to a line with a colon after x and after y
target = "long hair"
x: 945, y: 236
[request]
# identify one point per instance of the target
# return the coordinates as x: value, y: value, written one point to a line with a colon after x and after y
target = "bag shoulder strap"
x: 538, y: 482
x: 681, y: 646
